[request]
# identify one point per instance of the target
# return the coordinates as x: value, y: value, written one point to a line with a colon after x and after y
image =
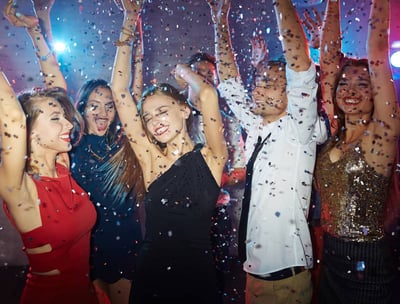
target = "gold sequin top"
x: 353, y: 196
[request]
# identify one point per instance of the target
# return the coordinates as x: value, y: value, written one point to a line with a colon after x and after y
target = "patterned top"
x: 353, y: 196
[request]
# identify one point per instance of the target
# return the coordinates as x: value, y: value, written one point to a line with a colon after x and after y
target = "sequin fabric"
x: 353, y: 196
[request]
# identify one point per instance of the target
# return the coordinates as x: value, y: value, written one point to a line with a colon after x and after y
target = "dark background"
x: 173, y: 30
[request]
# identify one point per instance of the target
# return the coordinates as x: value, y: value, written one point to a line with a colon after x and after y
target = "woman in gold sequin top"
x: 353, y: 170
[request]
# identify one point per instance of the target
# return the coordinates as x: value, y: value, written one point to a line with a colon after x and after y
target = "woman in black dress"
x: 182, y: 180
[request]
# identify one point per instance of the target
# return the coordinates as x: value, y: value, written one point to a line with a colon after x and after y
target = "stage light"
x: 59, y: 47
x: 395, y: 59
x: 395, y: 45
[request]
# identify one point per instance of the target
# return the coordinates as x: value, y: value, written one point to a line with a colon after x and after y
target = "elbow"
x: 17, y: 116
x: 119, y: 92
x: 207, y: 94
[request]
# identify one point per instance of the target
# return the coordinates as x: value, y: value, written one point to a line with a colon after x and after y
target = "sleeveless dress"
x: 357, y: 265
x: 116, y: 236
x: 67, y: 218
x: 176, y: 263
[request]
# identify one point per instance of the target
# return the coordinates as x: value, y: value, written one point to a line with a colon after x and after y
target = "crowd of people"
x: 145, y: 194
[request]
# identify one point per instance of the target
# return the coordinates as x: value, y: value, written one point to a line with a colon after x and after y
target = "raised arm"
x: 294, y: 42
x: 226, y: 64
x: 137, y: 83
x: 386, y: 109
x: 313, y: 27
x: 208, y: 106
x: 330, y: 56
x: 13, y: 148
x: 385, y: 119
x: 42, y: 10
x: 48, y: 63
x: 121, y: 78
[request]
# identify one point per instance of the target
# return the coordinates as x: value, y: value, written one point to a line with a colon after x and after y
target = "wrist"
x: 44, y: 57
x: 34, y: 29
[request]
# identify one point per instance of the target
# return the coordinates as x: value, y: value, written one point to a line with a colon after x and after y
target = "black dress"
x: 175, y: 263
x: 116, y: 236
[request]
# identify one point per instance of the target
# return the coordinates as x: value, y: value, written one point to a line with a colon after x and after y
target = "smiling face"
x: 164, y: 118
x: 353, y: 91
x: 269, y: 95
x: 99, y: 111
x: 51, y: 129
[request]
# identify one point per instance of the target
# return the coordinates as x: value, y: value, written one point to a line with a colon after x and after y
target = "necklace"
x: 98, y: 157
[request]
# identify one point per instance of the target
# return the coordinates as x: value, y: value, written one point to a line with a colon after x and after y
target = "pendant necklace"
x: 98, y: 157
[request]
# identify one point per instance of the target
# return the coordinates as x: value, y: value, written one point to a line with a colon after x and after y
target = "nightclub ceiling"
x: 173, y: 30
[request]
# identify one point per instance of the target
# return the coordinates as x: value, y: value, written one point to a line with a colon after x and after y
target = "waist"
x: 280, y: 274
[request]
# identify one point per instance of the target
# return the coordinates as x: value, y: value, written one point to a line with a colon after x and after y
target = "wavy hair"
x: 122, y: 171
x: 28, y: 102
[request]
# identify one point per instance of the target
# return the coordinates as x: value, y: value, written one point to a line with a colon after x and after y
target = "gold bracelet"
x: 127, y: 42
x: 127, y: 31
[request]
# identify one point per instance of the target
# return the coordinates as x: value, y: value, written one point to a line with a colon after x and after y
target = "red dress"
x: 67, y: 216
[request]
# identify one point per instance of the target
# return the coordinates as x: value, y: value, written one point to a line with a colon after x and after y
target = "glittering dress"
x: 176, y: 263
x: 116, y: 235
x: 67, y: 218
x: 357, y: 265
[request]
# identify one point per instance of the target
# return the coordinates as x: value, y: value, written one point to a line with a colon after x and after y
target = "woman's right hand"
x: 17, y: 19
x: 129, y: 6
x: 219, y: 9
x: 42, y: 5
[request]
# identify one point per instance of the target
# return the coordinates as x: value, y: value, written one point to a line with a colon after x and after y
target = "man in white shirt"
x: 283, y: 112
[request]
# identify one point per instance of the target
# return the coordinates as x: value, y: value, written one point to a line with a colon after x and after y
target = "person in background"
x: 105, y: 166
x: 282, y: 120
x: 354, y: 169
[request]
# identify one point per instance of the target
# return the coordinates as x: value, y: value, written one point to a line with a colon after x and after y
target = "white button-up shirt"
x: 278, y: 236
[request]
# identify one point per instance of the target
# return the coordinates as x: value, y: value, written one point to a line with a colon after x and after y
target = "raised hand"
x: 17, y: 19
x: 130, y: 6
x: 313, y: 25
x: 42, y: 5
x: 219, y: 9
x: 177, y: 73
x: 259, y: 51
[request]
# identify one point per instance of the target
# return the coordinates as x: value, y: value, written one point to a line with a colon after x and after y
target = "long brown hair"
x: 28, y: 102
x: 122, y: 171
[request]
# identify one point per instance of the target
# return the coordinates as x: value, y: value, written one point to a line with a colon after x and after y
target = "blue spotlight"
x: 395, y: 59
x: 59, y: 47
